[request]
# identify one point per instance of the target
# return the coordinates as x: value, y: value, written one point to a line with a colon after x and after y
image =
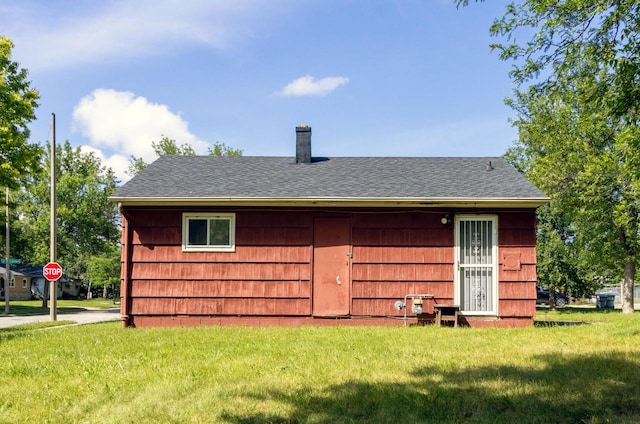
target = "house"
x: 65, y: 288
x: 28, y: 283
x: 308, y: 240
x: 19, y: 286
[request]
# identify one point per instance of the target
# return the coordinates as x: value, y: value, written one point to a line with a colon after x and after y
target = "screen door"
x: 476, y: 263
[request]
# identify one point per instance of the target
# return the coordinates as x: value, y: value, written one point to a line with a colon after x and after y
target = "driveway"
x: 82, y: 316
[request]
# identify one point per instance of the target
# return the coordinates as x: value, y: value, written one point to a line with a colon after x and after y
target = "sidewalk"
x: 82, y: 316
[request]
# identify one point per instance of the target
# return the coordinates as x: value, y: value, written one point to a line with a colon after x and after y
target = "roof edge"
x: 505, y: 202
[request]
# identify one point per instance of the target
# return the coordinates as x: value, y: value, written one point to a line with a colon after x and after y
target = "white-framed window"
x: 12, y: 283
x: 24, y: 283
x: 208, y: 232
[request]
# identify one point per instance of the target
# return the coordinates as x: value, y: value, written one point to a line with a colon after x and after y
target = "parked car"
x: 543, y: 297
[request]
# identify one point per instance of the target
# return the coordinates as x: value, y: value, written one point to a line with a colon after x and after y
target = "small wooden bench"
x: 446, y: 313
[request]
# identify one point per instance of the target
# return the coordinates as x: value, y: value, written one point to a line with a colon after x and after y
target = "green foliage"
x: 221, y: 149
x: 104, y: 271
x: 581, y: 156
x: 18, y: 158
x: 564, y: 33
x: 558, y: 256
x: 168, y: 146
x: 87, y: 220
x: 326, y: 374
x: 465, y: 2
x: 578, y: 130
x: 136, y: 165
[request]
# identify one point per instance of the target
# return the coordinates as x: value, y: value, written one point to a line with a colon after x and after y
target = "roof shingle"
x: 211, y: 177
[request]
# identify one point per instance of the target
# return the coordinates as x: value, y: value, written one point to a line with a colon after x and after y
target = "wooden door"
x: 331, y: 266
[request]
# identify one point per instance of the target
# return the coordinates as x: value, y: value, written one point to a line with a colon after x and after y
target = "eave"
x: 434, y: 202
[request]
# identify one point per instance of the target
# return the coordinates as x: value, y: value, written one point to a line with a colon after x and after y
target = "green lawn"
x: 34, y: 307
x: 106, y: 374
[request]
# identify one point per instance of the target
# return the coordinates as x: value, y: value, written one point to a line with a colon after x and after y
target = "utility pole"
x: 7, y: 266
x: 53, y: 312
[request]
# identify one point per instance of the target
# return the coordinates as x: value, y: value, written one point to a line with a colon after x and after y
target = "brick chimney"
x: 303, y: 144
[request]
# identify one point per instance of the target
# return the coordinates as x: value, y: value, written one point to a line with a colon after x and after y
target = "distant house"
x: 29, y: 283
x: 340, y: 240
x: 19, y: 286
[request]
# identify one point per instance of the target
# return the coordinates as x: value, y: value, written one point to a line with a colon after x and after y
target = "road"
x: 82, y: 316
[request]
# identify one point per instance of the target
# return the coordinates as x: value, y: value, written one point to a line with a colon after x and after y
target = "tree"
x: 168, y: 146
x: 582, y: 160
x: 18, y: 102
x: 221, y: 149
x: 103, y: 272
x: 87, y: 220
x: 558, y: 254
x: 578, y: 120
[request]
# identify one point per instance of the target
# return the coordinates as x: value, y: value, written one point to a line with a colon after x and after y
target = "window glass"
x: 197, y: 232
x: 219, y: 232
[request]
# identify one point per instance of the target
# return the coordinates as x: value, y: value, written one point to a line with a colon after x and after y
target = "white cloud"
x: 48, y: 37
x: 308, y: 86
x: 118, y: 163
x: 119, y: 122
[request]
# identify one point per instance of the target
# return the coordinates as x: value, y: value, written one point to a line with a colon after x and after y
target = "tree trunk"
x: 104, y: 291
x: 627, y: 286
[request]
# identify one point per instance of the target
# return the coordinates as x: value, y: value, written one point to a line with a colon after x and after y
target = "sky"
x: 370, y: 77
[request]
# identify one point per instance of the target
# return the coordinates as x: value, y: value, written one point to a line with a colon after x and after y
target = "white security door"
x: 476, y: 264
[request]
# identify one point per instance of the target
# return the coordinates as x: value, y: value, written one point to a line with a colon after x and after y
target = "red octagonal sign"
x: 52, y: 271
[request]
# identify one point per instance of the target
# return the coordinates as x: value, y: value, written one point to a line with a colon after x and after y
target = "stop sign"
x: 52, y: 271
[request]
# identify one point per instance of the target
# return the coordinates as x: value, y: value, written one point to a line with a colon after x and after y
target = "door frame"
x: 494, y: 263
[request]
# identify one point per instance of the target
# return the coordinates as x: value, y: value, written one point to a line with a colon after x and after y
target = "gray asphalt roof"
x: 339, y: 177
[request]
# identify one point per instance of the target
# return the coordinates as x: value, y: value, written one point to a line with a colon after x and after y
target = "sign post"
x: 53, y: 226
x: 52, y: 272
x: 7, y: 266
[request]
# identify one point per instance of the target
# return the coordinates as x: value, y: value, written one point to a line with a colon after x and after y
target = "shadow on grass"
x: 10, y: 333
x: 555, y: 323
x: 39, y: 310
x: 555, y: 389
x: 580, y: 310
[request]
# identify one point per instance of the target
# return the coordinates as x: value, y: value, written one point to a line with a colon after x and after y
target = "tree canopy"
x: 88, y: 223
x: 102, y: 272
x: 577, y: 74
x: 168, y: 146
x: 18, y: 102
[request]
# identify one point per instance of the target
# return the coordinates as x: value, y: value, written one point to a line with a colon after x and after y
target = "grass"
x: 106, y: 374
x: 35, y: 326
x: 34, y: 307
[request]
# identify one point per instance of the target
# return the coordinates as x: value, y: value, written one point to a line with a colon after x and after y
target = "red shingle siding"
x: 517, y: 265
x: 268, y: 274
x: 394, y: 253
